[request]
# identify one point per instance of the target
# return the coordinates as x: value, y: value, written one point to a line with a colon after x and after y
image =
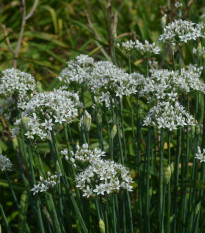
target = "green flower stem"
x: 168, y: 230
x: 140, y: 183
x: 130, y: 212
x: 147, y: 195
x: 52, y: 210
x: 123, y: 130
x: 176, y: 180
x: 161, y: 181
x: 114, y: 214
x: 67, y: 186
x: 12, y: 191
x: 5, y: 219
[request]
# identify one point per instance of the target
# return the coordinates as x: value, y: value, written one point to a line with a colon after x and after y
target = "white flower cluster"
x: 44, y: 184
x: 16, y: 82
x: 145, y: 49
x: 103, y: 78
x: 83, y: 154
x: 5, y: 163
x: 181, y: 31
x: 47, y: 109
x: 200, y: 155
x: 167, y: 116
x: 101, y: 177
x: 191, y: 75
x: 77, y: 70
x: 167, y: 85
x: 108, y: 80
x: 178, y: 5
x: 15, y: 86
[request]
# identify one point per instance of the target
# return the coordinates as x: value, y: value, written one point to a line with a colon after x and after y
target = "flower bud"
x: 99, y: 117
x: 15, y: 143
x: 164, y: 20
x: 113, y: 131
x: 167, y: 174
x: 197, y: 208
x: 39, y: 87
x: 199, y: 49
x: 102, y: 226
x: 87, y: 121
x: 24, y: 121
x: 197, y: 128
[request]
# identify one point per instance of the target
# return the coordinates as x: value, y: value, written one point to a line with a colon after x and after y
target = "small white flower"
x: 5, y: 163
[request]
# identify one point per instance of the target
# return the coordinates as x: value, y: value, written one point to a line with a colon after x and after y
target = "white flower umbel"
x: 99, y: 177
x: 83, y: 154
x: 103, y: 177
x: 181, y: 31
x: 5, y: 163
x: 44, y: 184
x: 108, y: 81
x: 16, y: 82
x: 15, y: 86
x: 77, y: 70
x: 178, y: 5
x: 45, y: 110
x: 167, y: 85
x: 145, y: 49
x: 167, y: 116
x: 200, y: 155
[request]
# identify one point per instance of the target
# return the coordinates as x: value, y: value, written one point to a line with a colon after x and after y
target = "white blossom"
x: 181, y: 31
x: 5, y: 163
x: 45, y: 110
x: 167, y: 116
x: 145, y: 49
x: 200, y: 155
x: 44, y: 184
x: 15, y: 87
x: 100, y: 177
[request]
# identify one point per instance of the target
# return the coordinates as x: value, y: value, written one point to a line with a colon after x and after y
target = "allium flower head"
x: 98, y: 176
x: 5, y: 163
x: 77, y: 70
x: 168, y: 85
x: 145, y: 49
x: 167, y: 116
x: 45, y: 110
x: 16, y: 82
x: 108, y: 81
x: 15, y: 87
x: 181, y: 31
x: 200, y: 155
x: 44, y: 184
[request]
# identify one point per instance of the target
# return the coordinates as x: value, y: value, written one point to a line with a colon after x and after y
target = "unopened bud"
x: 39, y: 87
x: 164, y: 20
x: 113, y: 131
x: 197, y: 128
x: 102, y: 226
x: 199, y: 49
x: 24, y: 121
x: 99, y: 117
x: 197, y: 208
x: 15, y: 143
x: 167, y: 174
x: 87, y: 121
x: 58, y: 170
x: 172, y: 167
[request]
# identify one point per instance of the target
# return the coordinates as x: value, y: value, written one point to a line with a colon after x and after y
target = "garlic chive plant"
x: 112, y: 148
